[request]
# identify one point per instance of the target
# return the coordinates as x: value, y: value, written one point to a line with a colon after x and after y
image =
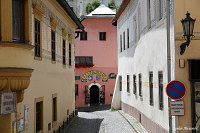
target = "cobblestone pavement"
x: 103, y: 121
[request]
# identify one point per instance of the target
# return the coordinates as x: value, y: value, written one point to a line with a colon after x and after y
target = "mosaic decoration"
x: 103, y: 75
x: 98, y: 77
x: 90, y: 78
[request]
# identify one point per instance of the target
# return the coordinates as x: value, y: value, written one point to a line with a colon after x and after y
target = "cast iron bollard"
x: 59, y: 129
x: 63, y: 124
x: 76, y: 112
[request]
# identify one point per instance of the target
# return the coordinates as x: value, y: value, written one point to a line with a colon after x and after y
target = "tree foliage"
x: 112, y: 5
x: 95, y: 4
x: 91, y: 7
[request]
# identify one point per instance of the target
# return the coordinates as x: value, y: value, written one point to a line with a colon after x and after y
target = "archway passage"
x: 94, y: 95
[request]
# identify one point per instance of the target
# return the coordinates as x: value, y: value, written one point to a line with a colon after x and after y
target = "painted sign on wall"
x: 103, y: 75
x: 7, y: 103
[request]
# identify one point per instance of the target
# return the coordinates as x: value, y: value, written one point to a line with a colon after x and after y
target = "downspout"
x: 168, y: 59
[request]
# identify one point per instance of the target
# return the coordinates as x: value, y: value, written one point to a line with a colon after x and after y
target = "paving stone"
x: 103, y: 121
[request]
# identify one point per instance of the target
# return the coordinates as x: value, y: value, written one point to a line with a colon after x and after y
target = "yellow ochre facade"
x: 37, y: 63
x: 186, y: 123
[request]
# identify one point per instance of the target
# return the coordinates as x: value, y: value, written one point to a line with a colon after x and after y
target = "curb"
x: 127, y: 121
x: 133, y: 122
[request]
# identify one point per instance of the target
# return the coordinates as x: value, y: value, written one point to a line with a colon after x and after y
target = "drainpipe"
x: 168, y: 59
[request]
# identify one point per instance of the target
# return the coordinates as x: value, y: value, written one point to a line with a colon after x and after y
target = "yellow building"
x: 36, y: 64
x: 188, y: 64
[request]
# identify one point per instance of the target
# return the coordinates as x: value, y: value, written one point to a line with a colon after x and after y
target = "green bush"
x: 112, y: 4
x: 91, y: 7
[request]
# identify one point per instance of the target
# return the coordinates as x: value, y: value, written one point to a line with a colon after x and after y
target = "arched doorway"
x: 94, y: 95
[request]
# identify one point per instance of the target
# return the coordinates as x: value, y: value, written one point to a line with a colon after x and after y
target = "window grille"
x: 37, y: 38
x: 53, y: 47
x: 160, y: 81
x: 151, y: 87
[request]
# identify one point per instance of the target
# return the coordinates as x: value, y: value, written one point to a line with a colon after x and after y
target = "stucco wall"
x: 48, y: 78
x: 192, y: 52
x: 104, y: 55
x: 149, y: 53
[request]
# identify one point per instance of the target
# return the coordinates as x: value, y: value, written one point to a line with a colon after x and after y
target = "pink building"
x: 96, y: 59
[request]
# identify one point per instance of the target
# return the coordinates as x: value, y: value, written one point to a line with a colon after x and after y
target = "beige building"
x: 37, y: 64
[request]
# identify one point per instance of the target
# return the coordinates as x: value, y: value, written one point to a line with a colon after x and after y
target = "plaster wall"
x: 192, y: 52
x: 104, y: 55
x: 147, y: 52
x: 48, y: 78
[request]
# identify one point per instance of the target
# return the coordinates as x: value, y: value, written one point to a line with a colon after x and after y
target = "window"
x: 64, y: 52
x: 37, y: 38
x: 140, y: 85
x: 120, y: 83
x: 76, y: 90
x: 18, y: 20
x: 160, y: 9
x: 127, y: 38
x: 77, y: 77
x: 160, y: 82
x: 120, y: 43
x: 39, y: 116
x: 128, y: 84
x: 151, y: 87
x: 70, y: 54
x: 102, y: 35
x: 83, y: 36
x: 84, y: 61
x: 124, y: 40
x: 149, y: 13
x: 134, y: 85
x: 54, y: 109
x: 53, y: 47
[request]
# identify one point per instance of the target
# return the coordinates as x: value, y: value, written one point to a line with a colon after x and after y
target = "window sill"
x: 38, y: 58
x: 53, y: 62
x: 41, y: 131
x: 17, y: 45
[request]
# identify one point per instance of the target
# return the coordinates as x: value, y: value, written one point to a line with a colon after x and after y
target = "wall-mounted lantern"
x: 188, y: 27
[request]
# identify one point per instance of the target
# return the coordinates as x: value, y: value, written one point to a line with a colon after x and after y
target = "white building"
x: 142, y: 56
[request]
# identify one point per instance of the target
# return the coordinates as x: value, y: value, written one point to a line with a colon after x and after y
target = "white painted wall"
x: 149, y: 53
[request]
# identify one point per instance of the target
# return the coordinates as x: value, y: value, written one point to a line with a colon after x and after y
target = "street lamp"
x: 188, y: 27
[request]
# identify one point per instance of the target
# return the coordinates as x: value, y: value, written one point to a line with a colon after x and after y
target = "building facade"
x: 37, y: 64
x: 79, y: 6
x: 142, y: 67
x: 96, y: 59
x: 150, y: 37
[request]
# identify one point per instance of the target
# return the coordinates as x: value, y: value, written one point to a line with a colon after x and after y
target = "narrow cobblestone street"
x: 104, y: 121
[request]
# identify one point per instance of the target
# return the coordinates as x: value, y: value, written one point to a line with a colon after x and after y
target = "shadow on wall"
x: 79, y: 123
